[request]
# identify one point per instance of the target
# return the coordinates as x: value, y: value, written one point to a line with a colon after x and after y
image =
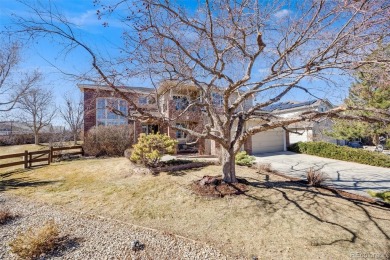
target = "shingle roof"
x: 124, y: 88
x: 287, y: 105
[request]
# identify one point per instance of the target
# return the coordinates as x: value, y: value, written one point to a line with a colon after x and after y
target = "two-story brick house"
x: 170, y: 102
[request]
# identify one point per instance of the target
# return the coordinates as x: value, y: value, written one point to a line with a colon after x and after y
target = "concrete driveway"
x: 348, y: 176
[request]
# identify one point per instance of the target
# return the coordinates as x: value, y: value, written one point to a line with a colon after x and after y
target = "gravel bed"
x: 93, y: 237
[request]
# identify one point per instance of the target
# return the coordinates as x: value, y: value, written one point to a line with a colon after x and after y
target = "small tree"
x: 371, y: 90
x: 150, y: 149
x: 12, y: 89
x: 73, y: 114
x: 37, y: 110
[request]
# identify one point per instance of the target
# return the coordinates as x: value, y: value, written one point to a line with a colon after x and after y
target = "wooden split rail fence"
x: 29, y: 158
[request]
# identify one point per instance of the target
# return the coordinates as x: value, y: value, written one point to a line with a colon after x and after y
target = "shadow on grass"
x: 9, y: 182
x: 177, y: 173
x: 311, y: 202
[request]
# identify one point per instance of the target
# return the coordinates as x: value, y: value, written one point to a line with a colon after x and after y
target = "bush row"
x: 343, y: 153
x: 18, y: 139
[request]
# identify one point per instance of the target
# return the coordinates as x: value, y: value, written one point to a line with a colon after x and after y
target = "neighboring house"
x: 172, y: 101
x: 13, y: 128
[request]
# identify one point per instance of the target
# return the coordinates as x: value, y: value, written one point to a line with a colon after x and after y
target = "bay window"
x: 106, y: 117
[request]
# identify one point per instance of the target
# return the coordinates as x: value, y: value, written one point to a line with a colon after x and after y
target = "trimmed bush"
x: 343, y: 153
x: 150, y: 148
x: 244, y: 159
x: 108, y: 140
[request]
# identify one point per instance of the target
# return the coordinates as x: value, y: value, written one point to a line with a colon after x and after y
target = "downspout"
x: 134, y: 132
x: 284, y: 140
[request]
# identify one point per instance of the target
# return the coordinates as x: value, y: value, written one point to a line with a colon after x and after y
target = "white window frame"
x: 217, y: 99
x: 103, y: 114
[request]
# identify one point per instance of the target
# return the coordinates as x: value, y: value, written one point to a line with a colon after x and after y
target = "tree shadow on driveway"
x: 344, y: 216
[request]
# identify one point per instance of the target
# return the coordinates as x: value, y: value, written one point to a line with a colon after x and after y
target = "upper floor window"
x: 104, y: 115
x: 181, y: 102
x: 217, y: 99
x: 145, y: 100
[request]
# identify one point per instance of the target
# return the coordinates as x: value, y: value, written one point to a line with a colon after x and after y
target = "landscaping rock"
x: 94, y: 237
x: 136, y: 245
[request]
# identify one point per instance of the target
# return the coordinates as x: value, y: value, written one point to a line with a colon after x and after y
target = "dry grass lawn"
x: 275, y: 219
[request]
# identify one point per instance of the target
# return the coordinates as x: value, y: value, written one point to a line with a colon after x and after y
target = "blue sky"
x: 41, y: 54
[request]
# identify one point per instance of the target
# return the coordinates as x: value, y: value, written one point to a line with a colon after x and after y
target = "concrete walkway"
x: 348, y: 176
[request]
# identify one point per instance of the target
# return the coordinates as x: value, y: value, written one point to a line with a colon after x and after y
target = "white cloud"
x: 90, y: 19
x: 282, y: 13
x: 87, y: 18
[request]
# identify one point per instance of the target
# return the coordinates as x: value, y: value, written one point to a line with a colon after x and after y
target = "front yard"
x: 275, y: 218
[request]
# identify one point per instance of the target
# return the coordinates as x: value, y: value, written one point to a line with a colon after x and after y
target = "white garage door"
x: 295, y: 138
x: 269, y: 141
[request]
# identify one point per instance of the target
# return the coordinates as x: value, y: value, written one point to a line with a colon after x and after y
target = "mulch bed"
x: 214, y: 186
x: 179, y: 165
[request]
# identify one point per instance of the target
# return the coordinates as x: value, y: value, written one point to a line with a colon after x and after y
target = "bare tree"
x: 73, y: 114
x: 13, y: 83
x: 36, y: 110
x: 220, y: 47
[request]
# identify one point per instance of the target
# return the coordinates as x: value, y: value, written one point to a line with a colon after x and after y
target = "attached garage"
x: 268, y: 141
x: 304, y: 137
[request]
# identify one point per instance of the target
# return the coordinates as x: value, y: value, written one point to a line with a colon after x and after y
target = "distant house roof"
x: 122, y: 88
x: 13, y: 126
x: 288, y: 105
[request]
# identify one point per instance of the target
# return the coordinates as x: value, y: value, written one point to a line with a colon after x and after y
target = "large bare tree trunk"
x: 228, y: 165
x: 36, y: 139
x: 75, y: 138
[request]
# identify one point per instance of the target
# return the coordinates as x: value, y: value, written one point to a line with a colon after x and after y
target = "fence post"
x: 25, y: 159
x: 30, y: 160
x: 82, y: 151
x: 50, y: 159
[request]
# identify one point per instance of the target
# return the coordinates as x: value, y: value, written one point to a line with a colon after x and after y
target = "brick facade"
x: 189, y: 118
